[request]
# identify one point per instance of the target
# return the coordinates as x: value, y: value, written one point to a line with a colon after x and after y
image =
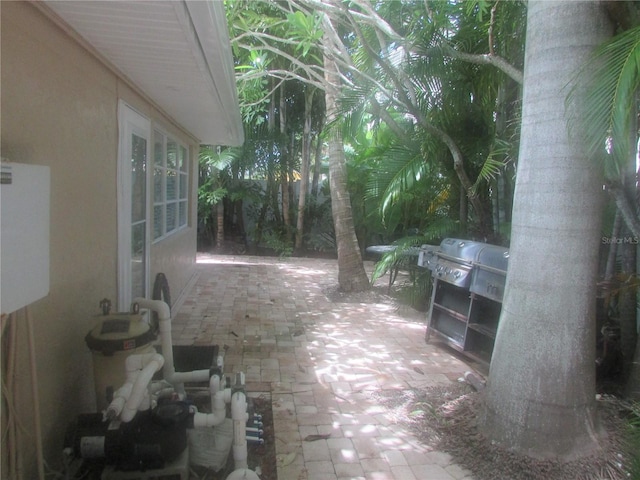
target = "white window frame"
x: 162, y: 171
x: 130, y: 121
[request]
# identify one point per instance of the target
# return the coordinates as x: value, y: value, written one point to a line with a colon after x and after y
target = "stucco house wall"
x: 59, y: 107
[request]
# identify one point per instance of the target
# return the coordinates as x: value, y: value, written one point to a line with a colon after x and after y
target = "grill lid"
x: 461, y: 250
x: 481, y: 267
x: 493, y: 256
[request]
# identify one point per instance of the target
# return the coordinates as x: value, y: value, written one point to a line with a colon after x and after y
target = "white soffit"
x: 177, y: 52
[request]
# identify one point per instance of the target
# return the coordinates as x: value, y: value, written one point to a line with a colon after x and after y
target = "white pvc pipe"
x: 169, y: 371
x: 219, y: 400
x: 136, y: 362
x: 215, y: 384
x: 243, y: 474
x: 151, y: 363
x: 194, y: 376
x: 117, y: 404
x: 240, y: 416
x: 164, y: 318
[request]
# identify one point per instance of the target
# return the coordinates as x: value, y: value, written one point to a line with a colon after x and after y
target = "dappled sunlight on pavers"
x: 319, y: 361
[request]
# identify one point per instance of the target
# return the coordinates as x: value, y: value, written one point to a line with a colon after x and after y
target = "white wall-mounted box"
x: 25, y: 193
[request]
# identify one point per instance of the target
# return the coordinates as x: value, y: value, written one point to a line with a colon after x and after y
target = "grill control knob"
x: 457, y: 273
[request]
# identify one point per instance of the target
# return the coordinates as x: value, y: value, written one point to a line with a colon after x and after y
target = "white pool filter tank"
x: 114, y: 338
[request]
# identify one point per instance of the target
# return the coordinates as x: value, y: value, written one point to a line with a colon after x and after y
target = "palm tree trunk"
x: 351, y: 274
x: 540, y: 397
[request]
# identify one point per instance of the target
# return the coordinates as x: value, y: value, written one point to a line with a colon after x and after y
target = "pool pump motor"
x: 150, y: 440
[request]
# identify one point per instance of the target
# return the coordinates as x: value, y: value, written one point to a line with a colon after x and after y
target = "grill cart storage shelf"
x: 468, y: 285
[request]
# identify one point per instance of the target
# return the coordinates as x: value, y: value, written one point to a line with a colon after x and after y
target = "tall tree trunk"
x: 317, y: 163
x: 610, y: 267
x: 464, y: 203
x: 633, y: 381
x: 351, y: 274
x: 540, y: 397
x: 220, y: 224
x: 304, y: 167
x: 627, y: 310
x: 627, y: 301
x: 284, y: 161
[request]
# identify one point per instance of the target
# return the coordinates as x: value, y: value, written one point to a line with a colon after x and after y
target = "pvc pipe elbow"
x: 158, y: 306
x: 139, y: 389
x: 207, y: 420
x: 139, y: 361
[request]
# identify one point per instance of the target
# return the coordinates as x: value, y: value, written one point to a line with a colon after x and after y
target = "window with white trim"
x: 170, y: 185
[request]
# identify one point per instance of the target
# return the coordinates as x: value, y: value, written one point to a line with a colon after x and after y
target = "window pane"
x: 158, y: 195
x: 172, y: 154
x: 172, y: 185
x: 137, y: 259
x: 138, y: 180
x: 183, y: 186
x: 158, y: 148
x: 183, y: 213
x: 158, y: 221
x: 172, y: 216
x: 183, y: 159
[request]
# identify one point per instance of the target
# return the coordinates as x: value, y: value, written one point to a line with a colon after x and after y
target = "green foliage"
x: 433, y: 234
x: 633, y: 439
x: 322, y: 242
x: 282, y: 246
x: 609, y: 95
x: 400, y: 86
x: 306, y: 31
x: 492, y: 167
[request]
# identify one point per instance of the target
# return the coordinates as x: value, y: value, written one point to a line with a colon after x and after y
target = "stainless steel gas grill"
x: 468, y: 285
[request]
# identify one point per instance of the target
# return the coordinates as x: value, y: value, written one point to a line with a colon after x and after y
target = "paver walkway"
x: 317, y: 359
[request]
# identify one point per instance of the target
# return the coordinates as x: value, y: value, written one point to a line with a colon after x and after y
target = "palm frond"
x: 437, y: 230
x: 403, y: 179
x: 490, y: 170
x: 607, y: 85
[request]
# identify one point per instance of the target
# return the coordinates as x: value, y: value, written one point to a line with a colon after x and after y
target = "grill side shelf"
x: 483, y: 329
x: 466, y: 321
x: 451, y: 313
x: 452, y: 342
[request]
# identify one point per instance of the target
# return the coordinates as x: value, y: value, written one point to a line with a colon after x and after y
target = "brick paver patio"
x: 317, y: 360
